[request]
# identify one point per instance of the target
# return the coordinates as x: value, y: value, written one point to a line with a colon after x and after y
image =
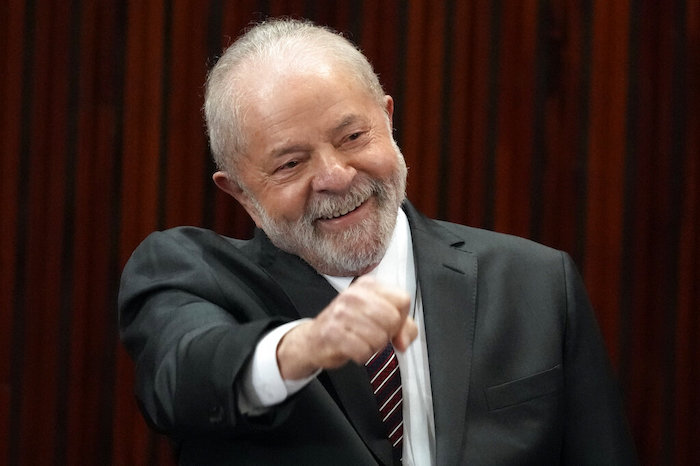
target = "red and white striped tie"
x: 385, y: 377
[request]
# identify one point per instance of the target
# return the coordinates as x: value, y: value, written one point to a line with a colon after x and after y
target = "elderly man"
x: 351, y: 329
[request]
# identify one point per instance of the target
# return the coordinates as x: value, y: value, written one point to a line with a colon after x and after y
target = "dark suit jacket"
x: 518, y: 369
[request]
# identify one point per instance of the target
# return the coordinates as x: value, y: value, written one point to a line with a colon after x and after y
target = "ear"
x: 389, y: 109
x: 224, y: 182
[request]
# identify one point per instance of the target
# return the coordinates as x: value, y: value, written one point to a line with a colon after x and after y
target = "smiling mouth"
x: 343, y: 212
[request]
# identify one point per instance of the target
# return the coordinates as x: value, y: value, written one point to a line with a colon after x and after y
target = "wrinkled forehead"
x: 297, y: 89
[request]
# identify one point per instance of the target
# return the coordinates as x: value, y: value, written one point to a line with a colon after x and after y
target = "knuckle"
x: 404, y: 300
x: 350, y: 297
x: 341, y: 312
x: 328, y: 332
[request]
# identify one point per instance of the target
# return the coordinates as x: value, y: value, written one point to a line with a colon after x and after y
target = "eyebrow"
x: 346, y: 121
x: 284, y: 150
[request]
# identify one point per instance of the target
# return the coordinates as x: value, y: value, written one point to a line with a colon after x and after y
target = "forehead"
x: 302, y: 100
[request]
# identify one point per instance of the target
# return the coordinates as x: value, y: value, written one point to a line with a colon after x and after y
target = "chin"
x: 347, y: 256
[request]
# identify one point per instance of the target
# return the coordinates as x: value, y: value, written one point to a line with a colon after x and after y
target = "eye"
x: 355, y: 138
x: 289, y: 165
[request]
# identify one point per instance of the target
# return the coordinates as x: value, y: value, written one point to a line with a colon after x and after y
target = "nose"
x: 333, y: 173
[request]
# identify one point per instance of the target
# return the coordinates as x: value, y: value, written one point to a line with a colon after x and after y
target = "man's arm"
x: 191, y: 322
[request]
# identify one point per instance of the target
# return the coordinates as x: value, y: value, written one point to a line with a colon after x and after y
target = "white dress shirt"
x: 262, y: 385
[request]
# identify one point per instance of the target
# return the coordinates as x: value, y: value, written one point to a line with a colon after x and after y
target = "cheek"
x: 382, y: 162
x: 285, y: 203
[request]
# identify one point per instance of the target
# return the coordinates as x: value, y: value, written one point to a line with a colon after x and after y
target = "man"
x: 253, y: 352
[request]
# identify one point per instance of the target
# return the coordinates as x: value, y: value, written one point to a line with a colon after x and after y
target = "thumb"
x: 405, y: 336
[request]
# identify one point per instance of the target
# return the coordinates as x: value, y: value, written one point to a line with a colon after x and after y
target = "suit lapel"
x: 447, y: 279
x: 349, y: 385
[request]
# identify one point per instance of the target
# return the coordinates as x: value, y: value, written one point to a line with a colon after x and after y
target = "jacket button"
x: 216, y: 414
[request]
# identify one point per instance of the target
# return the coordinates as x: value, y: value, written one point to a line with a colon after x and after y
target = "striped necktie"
x: 385, y: 377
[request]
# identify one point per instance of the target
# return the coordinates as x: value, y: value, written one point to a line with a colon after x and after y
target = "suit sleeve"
x: 596, y: 429
x: 190, y: 319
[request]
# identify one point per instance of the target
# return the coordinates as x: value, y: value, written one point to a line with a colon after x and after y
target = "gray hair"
x: 277, y: 42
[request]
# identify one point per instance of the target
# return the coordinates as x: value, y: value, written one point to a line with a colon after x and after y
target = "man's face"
x: 321, y: 174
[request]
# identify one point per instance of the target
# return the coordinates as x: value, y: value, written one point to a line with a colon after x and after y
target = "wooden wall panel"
x: 687, y: 345
x: 11, y: 30
x: 573, y: 122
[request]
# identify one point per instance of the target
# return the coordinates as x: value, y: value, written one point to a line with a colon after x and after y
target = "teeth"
x: 342, y: 212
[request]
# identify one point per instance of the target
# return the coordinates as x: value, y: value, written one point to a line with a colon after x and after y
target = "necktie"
x: 385, y: 377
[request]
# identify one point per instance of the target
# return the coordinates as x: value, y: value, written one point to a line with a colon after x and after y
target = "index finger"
x: 397, y: 297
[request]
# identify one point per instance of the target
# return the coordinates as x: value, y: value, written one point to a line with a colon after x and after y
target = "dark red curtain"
x: 572, y: 122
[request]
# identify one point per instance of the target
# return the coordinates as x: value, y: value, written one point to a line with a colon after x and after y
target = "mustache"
x: 324, y: 205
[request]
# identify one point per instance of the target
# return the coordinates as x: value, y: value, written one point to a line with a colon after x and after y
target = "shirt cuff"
x: 262, y: 385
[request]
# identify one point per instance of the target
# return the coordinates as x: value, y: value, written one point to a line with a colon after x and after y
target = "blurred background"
x: 572, y: 122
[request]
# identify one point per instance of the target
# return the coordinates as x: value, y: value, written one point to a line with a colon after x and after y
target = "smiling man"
x: 351, y: 329
x: 321, y: 174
